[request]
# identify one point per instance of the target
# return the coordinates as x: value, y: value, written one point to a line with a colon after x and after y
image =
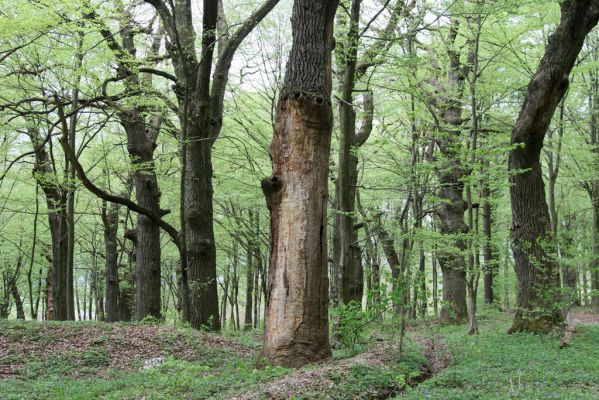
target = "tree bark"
x: 200, y: 113
x: 451, y: 176
x: 296, y: 194
x: 17, y: 298
x: 532, y: 243
x: 490, y: 264
x: 55, y: 194
x: 249, y: 292
x: 110, y: 219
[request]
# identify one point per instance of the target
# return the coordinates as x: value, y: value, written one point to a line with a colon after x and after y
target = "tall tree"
x: 110, y: 219
x: 534, y: 254
x: 200, y: 104
x: 446, y: 99
x: 296, y: 194
x: 142, y: 133
x: 46, y: 177
x: 347, y: 280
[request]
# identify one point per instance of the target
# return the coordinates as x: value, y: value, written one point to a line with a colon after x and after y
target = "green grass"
x: 174, y: 379
x: 494, y: 365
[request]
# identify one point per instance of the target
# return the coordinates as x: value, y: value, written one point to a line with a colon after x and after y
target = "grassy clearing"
x: 494, y: 365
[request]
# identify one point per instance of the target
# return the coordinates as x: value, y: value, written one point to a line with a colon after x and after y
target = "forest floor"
x: 91, y: 360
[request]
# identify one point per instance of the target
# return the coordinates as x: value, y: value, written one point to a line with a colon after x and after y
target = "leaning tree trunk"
x: 110, y: 218
x: 536, y: 268
x: 296, y: 194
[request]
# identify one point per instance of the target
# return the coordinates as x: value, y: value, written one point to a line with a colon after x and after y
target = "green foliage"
x: 494, y: 365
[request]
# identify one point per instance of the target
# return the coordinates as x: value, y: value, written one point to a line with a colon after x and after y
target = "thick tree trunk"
x: 110, y: 218
x: 201, y: 108
x: 201, y: 250
x: 45, y: 175
x: 127, y: 286
x: 534, y: 254
x: 296, y: 194
x: 451, y: 176
x: 141, y: 142
x: 451, y: 259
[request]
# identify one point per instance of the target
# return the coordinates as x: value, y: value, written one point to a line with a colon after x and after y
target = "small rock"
x: 152, y: 363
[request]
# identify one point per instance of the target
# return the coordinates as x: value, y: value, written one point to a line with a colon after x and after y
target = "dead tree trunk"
x: 296, y: 194
x: 536, y: 269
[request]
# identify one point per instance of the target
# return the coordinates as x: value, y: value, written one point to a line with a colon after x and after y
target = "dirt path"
x: 322, y: 379
x: 582, y: 318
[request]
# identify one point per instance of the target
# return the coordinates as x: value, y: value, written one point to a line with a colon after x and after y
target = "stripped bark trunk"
x: 296, y: 194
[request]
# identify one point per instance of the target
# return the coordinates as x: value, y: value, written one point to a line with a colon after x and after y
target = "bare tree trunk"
x: 110, y: 218
x: 46, y: 177
x: 296, y: 194
x: 249, y: 277
x: 595, y: 263
x: 451, y: 179
x: 77, y: 302
x: 538, y: 274
x: 17, y: 298
x: 593, y: 186
x: 490, y: 263
x: 223, y: 313
x: 435, y: 284
x: 84, y: 299
x: 201, y: 109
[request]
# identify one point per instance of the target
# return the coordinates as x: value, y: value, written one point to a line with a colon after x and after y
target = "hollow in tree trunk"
x: 296, y: 194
